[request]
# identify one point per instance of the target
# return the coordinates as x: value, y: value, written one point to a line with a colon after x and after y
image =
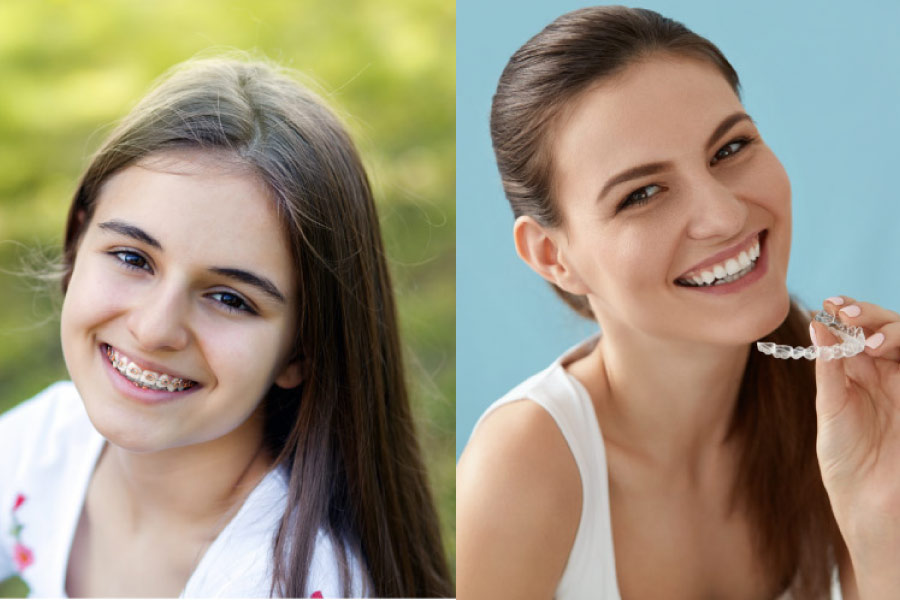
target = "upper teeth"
x: 144, y: 377
x: 729, y: 270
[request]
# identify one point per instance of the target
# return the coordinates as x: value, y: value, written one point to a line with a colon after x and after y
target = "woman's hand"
x: 858, y: 443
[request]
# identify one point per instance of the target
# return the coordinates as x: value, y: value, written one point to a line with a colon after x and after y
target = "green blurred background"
x: 69, y: 69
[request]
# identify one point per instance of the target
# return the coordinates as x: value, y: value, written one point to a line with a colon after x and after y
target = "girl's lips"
x: 145, y: 396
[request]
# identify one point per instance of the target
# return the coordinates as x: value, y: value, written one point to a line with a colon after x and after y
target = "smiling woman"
x: 237, y: 423
x: 664, y: 457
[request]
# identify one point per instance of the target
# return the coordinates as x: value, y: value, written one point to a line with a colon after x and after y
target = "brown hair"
x: 345, y: 435
x: 778, y: 481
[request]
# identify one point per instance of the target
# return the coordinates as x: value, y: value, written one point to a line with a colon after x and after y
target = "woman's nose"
x: 715, y: 211
x: 157, y: 320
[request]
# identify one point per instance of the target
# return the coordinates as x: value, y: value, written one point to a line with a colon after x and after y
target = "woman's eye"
x: 638, y: 197
x: 131, y: 260
x: 731, y: 148
x: 232, y: 302
x: 641, y: 196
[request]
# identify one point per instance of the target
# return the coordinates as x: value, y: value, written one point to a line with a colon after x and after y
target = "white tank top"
x: 591, y: 568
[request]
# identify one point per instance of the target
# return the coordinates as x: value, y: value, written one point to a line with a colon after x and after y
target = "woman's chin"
x: 758, y: 322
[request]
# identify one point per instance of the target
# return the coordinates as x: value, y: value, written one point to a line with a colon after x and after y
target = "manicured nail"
x: 835, y: 300
x: 875, y: 340
x: 851, y: 311
x: 812, y: 335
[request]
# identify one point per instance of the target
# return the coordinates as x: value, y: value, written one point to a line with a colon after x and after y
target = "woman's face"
x: 185, y: 270
x: 628, y: 242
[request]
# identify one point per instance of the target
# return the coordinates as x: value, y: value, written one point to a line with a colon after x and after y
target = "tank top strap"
x: 590, y: 570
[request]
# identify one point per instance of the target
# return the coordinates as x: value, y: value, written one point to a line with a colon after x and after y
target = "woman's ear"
x: 542, y: 251
x: 292, y: 375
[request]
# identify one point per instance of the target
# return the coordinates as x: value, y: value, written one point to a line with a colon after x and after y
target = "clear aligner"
x: 854, y: 342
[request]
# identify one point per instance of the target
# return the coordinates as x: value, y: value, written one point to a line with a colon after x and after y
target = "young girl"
x: 666, y: 458
x: 237, y: 422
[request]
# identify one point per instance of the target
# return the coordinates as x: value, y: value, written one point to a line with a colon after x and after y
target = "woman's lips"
x: 761, y: 268
x: 719, y: 259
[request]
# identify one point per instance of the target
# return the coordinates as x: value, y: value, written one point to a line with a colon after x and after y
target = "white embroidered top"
x: 49, y: 451
x: 591, y: 568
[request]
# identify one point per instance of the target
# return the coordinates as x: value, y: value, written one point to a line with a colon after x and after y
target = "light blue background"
x: 821, y: 79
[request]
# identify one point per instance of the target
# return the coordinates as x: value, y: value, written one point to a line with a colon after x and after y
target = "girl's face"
x: 711, y: 190
x: 185, y: 270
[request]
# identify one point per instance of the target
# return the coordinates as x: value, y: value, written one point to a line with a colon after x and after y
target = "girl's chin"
x: 124, y: 430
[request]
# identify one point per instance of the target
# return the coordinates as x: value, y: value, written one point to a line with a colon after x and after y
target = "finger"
x: 884, y: 342
x: 866, y: 315
x: 830, y: 376
x: 861, y: 369
x: 833, y: 303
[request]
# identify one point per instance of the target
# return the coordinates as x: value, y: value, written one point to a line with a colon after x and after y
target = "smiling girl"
x: 665, y: 458
x: 237, y: 423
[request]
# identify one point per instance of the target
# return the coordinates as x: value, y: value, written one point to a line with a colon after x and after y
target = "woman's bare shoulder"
x: 518, y: 505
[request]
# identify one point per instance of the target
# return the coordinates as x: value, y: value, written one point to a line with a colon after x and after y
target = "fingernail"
x: 875, y: 340
x: 835, y: 300
x: 812, y: 335
x: 851, y: 311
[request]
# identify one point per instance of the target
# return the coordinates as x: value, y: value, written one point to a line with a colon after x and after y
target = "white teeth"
x: 149, y: 377
x: 133, y: 371
x: 743, y: 260
x: 719, y: 271
x: 732, y: 266
x: 707, y: 277
x: 697, y: 279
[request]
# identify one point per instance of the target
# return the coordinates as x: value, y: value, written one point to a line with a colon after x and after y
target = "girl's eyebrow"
x: 257, y: 281
x: 249, y: 278
x: 131, y: 231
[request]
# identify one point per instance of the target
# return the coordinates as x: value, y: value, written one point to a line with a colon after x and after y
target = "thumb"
x: 830, y: 375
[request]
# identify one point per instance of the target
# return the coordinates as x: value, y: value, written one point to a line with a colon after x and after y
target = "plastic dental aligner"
x: 854, y: 342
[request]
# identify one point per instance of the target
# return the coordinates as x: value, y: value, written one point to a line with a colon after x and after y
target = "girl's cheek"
x: 96, y: 293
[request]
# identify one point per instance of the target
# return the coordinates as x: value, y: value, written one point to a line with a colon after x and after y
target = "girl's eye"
x: 232, y: 302
x: 640, y: 196
x: 131, y: 260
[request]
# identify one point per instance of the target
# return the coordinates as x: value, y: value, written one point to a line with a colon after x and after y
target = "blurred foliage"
x: 71, y: 69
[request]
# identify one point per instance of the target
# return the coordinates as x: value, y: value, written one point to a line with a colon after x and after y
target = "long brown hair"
x: 778, y: 481
x: 346, y: 434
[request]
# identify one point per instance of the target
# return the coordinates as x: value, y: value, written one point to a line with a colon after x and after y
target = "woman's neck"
x: 669, y: 403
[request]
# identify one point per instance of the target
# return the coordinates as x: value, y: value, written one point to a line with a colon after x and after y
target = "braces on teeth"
x: 854, y: 342
x: 148, y: 380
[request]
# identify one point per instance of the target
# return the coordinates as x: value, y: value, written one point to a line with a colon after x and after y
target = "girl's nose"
x: 157, y: 320
x: 715, y: 211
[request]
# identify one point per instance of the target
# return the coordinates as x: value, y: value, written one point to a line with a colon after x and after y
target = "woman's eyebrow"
x: 656, y: 167
x: 257, y: 281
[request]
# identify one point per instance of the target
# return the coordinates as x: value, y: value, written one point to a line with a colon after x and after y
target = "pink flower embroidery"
x: 23, y: 556
x: 317, y: 594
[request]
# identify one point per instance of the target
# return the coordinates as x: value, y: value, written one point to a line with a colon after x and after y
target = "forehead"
x: 655, y: 110
x: 202, y: 209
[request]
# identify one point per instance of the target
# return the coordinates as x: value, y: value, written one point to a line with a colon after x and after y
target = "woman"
x: 237, y: 422
x: 666, y: 458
